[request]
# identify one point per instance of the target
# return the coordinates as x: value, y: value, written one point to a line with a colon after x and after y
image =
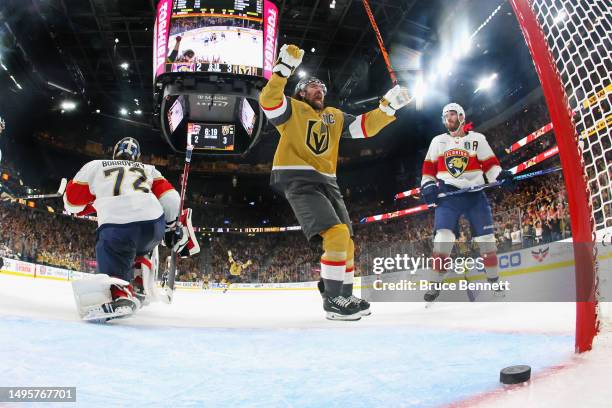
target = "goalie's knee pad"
x: 443, y: 242
x: 336, y: 242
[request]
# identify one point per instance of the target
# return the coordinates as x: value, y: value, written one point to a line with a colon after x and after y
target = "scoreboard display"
x: 216, y: 36
x: 240, y: 7
x: 211, y: 136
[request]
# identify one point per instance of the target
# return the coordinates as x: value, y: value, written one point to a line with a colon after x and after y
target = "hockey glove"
x: 289, y: 57
x: 507, y: 180
x: 173, y: 234
x: 429, y: 192
x: 396, y: 98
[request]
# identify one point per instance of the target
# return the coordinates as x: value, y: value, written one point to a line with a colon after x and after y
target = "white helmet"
x: 453, y: 107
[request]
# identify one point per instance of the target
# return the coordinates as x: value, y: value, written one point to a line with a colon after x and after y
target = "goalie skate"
x: 106, y: 312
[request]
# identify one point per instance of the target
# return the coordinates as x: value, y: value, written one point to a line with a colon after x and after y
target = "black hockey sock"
x: 347, y: 289
x: 332, y: 287
x: 320, y: 285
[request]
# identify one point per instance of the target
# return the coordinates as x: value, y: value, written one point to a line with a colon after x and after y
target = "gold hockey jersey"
x: 309, y: 139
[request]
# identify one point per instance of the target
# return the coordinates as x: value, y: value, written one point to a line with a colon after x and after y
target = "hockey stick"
x: 499, y: 182
x: 60, y: 192
x: 424, y: 207
x: 169, y: 282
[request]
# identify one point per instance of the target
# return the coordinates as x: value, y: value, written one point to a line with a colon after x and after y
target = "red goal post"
x: 569, y: 43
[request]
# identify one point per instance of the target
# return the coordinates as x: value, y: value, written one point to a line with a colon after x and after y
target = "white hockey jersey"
x: 460, y: 161
x: 121, y: 192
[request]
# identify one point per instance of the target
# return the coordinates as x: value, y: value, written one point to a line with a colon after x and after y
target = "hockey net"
x: 569, y: 41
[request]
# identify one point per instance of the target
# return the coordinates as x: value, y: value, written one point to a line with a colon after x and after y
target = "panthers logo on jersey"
x: 456, y: 161
x: 317, y: 136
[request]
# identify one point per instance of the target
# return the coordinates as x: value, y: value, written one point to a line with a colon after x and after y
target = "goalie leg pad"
x: 149, y: 265
x: 92, y: 293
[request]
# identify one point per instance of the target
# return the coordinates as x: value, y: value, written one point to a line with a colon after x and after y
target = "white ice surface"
x: 274, y: 348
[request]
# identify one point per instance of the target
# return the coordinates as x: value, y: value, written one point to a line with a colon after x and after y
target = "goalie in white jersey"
x: 455, y: 160
x: 136, y: 209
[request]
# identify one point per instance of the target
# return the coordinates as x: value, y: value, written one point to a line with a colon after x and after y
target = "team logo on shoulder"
x: 317, y: 136
x: 456, y: 161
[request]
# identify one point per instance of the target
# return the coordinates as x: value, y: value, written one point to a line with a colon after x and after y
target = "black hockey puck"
x: 515, y: 374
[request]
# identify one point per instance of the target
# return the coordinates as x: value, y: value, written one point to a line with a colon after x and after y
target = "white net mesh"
x: 579, y: 39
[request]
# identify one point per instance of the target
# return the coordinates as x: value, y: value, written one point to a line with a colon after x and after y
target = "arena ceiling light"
x: 486, y: 83
x: 419, y: 92
x: 123, y: 111
x: 68, y: 106
x: 302, y: 74
x: 124, y: 66
x: 138, y: 112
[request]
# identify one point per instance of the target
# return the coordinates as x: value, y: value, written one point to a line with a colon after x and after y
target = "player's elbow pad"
x: 170, y: 202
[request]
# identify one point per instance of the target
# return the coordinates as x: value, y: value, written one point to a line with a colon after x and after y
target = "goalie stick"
x: 168, y: 282
x: 60, y: 192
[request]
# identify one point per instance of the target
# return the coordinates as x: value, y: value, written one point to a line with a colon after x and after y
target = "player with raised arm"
x: 458, y: 159
x: 235, y: 270
x: 136, y: 208
x: 304, y: 170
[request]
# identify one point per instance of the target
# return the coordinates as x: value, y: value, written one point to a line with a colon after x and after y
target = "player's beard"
x: 453, y: 126
x: 316, y: 104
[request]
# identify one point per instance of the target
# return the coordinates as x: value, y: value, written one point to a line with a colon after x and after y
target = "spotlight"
x: 123, y: 111
x: 124, y: 66
x: 302, y: 74
x: 116, y: 41
x: 138, y: 112
x: 486, y: 83
x: 68, y: 105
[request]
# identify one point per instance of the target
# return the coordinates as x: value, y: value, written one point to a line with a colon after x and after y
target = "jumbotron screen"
x: 228, y: 36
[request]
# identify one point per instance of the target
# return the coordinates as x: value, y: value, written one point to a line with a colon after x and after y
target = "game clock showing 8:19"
x: 208, y: 136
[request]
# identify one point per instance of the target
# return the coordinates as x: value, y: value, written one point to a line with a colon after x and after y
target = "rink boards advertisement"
x: 542, y: 273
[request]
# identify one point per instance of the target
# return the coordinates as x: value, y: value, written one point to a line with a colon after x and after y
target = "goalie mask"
x: 127, y: 148
x: 301, y: 86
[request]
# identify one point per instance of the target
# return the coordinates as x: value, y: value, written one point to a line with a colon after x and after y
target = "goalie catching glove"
x: 396, y: 98
x: 182, y: 240
x: 289, y: 58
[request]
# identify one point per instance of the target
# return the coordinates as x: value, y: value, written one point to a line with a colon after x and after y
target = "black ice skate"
x: 341, y: 308
x: 431, y: 295
x: 364, y: 305
x: 498, y: 293
x: 124, y: 304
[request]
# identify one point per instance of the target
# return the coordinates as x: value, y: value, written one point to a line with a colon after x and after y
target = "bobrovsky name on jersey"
x: 110, y: 163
